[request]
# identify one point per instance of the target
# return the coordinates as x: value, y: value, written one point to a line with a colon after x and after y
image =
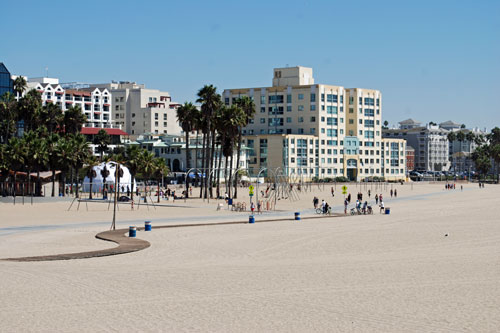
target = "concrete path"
x: 127, y: 244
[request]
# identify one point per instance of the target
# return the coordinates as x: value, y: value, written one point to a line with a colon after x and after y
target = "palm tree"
x: 8, y: 116
x: 102, y: 140
x: 210, y: 101
x: 159, y: 170
x: 481, y: 159
x: 16, y: 150
x: 81, y: 151
x: 90, y: 164
x: 53, y: 160
x: 51, y: 117
x: 29, y: 107
x: 186, y: 116
x: 73, y: 120
x: 20, y: 86
x: 133, y: 163
x: 248, y: 107
x: 40, y: 157
x: 4, y: 168
x: 63, y: 159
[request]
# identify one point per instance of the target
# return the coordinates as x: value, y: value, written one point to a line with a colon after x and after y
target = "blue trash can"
x: 297, y: 216
x: 387, y: 211
x: 132, y: 231
x: 251, y: 219
x: 147, y: 226
x: 230, y: 202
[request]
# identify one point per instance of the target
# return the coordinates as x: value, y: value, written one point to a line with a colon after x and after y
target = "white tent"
x: 97, y: 181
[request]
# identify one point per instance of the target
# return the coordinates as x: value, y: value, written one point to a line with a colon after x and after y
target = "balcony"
x: 155, y: 105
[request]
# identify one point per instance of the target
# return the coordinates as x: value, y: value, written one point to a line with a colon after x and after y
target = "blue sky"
x: 432, y: 60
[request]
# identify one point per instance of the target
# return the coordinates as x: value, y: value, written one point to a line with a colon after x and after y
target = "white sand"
x: 383, y: 273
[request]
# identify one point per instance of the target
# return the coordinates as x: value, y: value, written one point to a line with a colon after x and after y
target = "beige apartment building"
x: 394, y: 159
x: 344, y: 122
x: 139, y: 110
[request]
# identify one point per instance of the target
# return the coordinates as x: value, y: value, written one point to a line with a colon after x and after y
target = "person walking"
x: 349, y: 198
x: 369, y: 194
x: 391, y: 192
x: 376, y: 199
x: 382, y: 207
x: 315, y: 202
x: 333, y: 194
x: 323, y: 206
x: 252, y: 207
x: 346, y: 203
x: 395, y: 193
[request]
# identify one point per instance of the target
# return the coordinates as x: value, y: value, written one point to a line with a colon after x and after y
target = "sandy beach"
x: 432, y: 265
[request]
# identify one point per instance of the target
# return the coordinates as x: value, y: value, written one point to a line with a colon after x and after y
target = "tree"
x: 186, y: 115
x: 16, y: 150
x: 462, y: 126
x: 51, y: 116
x: 452, y: 136
x: 81, y: 152
x: 494, y: 151
x: 8, y: 117
x: 20, y: 86
x: 4, y: 168
x: 133, y: 163
x: 64, y: 160
x: 29, y: 108
x: 102, y: 140
x: 159, y: 170
x: 431, y: 123
x: 248, y: 107
x: 210, y: 101
x: 386, y: 125
x: 73, y: 120
x: 90, y: 172
x: 481, y: 159
x: 53, y: 159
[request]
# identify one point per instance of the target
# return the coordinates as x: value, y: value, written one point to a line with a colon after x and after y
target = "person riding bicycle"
x: 364, y: 207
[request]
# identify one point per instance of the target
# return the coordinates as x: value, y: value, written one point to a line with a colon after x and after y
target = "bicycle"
x: 320, y: 211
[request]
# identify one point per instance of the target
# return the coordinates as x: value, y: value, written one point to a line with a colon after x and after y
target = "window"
x: 369, y: 101
x: 369, y: 123
x: 289, y: 108
x: 361, y: 121
x: 369, y: 113
x: 313, y: 97
x: 351, y: 121
x: 351, y: 100
x: 275, y: 99
x: 263, y: 99
x: 301, y: 96
x: 262, y: 120
x: 289, y: 98
x: 301, y: 107
x: 331, y: 121
x: 351, y: 110
x: 360, y: 100
x: 331, y: 98
x: 341, y: 98
x: 322, y: 97
x: 156, y: 123
x: 164, y: 124
x: 133, y: 115
x: 301, y: 131
x: 313, y: 119
x: 262, y: 109
x: 312, y: 130
x: 226, y: 100
x: 313, y: 107
x: 331, y: 132
x: 331, y: 109
x: 288, y: 119
x: 301, y: 119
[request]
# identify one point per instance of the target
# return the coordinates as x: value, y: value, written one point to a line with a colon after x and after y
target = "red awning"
x: 110, y: 131
x: 97, y: 112
x: 88, y: 103
x: 77, y: 93
x: 69, y: 102
x: 107, y: 104
x: 59, y: 92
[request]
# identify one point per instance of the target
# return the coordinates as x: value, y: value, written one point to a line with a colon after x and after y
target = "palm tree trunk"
x: 225, y: 172
x: 53, y: 183
x: 90, y: 186
x: 158, y: 192
x: 203, y: 171
x: 218, y: 168
x: 14, y: 189
x: 212, y: 157
x: 132, y: 187
x: 238, y: 151
x: 187, y: 164
x: 230, y: 175
x: 207, y: 163
x: 76, y: 183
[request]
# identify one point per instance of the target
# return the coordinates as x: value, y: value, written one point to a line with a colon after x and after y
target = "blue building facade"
x: 6, y: 84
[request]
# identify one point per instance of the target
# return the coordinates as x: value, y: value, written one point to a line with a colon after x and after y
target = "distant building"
x: 410, y: 158
x: 393, y: 159
x: 430, y: 143
x: 409, y: 124
x: 6, y: 83
x: 330, y: 115
x: 139, y: 110
x: 94, y: 103
x: 450, y: 125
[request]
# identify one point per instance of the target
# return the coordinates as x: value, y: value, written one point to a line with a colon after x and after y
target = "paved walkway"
x: 127, y: 244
